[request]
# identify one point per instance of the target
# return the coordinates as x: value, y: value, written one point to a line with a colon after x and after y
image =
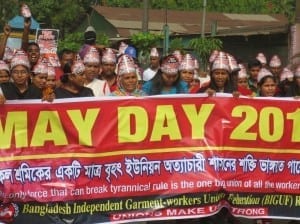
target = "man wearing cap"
x: 108, y: 74
x: 4, y: 72
x: 154, y: 65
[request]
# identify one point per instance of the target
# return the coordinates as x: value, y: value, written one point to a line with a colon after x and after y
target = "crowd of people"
x: 98, y: 71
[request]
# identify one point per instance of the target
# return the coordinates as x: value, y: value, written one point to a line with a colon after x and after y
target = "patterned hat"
x: 263, y: 72
x: 275, y: 61
x: 286, y: 74
x: 213, y: 56
x: 51, y: 71
x: 109, y: 56
x: 4, y: 66
x: 77, y: 68
x: 221, y: 62
x: 20, y: 58
x: 126, y: 65
x: 40, y: 68
x: 232, y: 63
x: 262, y: 58
x: 92, y: 56
x: 297, y: 72
x: 178, y: 55
x: 187, y: 63
x: 154, y: 52
x: 243, y: 72
x: 170, y: 65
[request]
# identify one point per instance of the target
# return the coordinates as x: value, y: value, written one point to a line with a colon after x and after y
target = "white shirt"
x: 99, y: 87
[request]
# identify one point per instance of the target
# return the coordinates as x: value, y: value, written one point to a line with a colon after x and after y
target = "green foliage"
x: 176, y: 44
x: 74, y: 41
x: 144, y: 41
x: 204, y: 46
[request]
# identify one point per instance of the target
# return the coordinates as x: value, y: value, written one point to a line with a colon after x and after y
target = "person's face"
x: 91, y: 71
x: 129, y: 81
x: 20, y: 75
x: 33, y: 54
x: 253, y: 71
x: 4, y: 76
x: 187, y: 75
x: 195, y: 82
x: 39, y: 80
x: 77, y: 80
x: 51, y: 82
x: 242, y: 82
x: 268, y: 87
x: 170, y: 79
x: 66, y: 58
x: 154, y: 62
x: 220, y: 77
x: 276, y: 71
x: 108, y: 69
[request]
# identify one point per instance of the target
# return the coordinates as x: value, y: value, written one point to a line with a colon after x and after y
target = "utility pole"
x: 166, y: 32
x: 145, y: 16
x: 203, y: 19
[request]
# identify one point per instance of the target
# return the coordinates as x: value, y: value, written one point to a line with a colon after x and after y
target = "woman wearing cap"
x: 73, y: 82
x: 220, y: 77
x: 187, y: 70
x: 167, y: 79
x: 20, y: 74
x: 266, y: 83
x: 127, y: 78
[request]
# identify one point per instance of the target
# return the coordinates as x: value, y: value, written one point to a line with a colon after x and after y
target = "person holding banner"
x: 73, y: 82
x: 266, y: 83
x: 127, y: 78
x: 167, y: 79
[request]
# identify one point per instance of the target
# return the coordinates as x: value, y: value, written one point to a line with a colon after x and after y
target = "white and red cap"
x: 221, y: 62
x: 297, y: 72
x: 178, y: 55
x: 242, y: 72
x: 25, y: 11
x: 109, y: 56
x: 4, y: 66
x: 262, y: 58
x: 154, y: 52
x: 92, y: 56
x: 20, y: 58
x: 170, y: 65
x: 286, y: 74
x: 232, y: 63
x: 77, y: 67
x: 40, y: 68
x: 51, y: 70
x: 263, y: 72
x: 187, y: 63
x: 275, y: 61
x: 126, y: 65
x: 213, y: 56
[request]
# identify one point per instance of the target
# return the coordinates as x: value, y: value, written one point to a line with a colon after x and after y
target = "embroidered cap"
x: 286, y: 74
x: 77, y: 68
x: 40, y: 68
x: 170, y: 65
x: 263, y: 72
x: 262, y: 58
x: 154, y: 52
x: 126, y: 65
x: 221, y: 62
x: 4, y: 66
x: 242, y: 72
x: 92, y: 56
x: 232, y: 63
x: 187, y: 63
x: 109, y: 56
x: 275, y: 61
x: 178, y: 55
x: 20, y: 58
x: 213, y: 56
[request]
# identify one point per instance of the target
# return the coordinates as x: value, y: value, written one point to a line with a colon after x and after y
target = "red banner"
x: 149, y: 158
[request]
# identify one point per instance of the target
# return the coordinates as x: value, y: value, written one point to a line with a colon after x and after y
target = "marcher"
x: 154, y: 65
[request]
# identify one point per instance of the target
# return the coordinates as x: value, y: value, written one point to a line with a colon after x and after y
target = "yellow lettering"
x: 125, y: 132
x: 84, y: 125
x: 48, y: 128
x: 295, y: 117
x: 165, y: 123
x: 265, y: 127
x: 198, y: 119
x: 15, y: 123
x: 241, y: 132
